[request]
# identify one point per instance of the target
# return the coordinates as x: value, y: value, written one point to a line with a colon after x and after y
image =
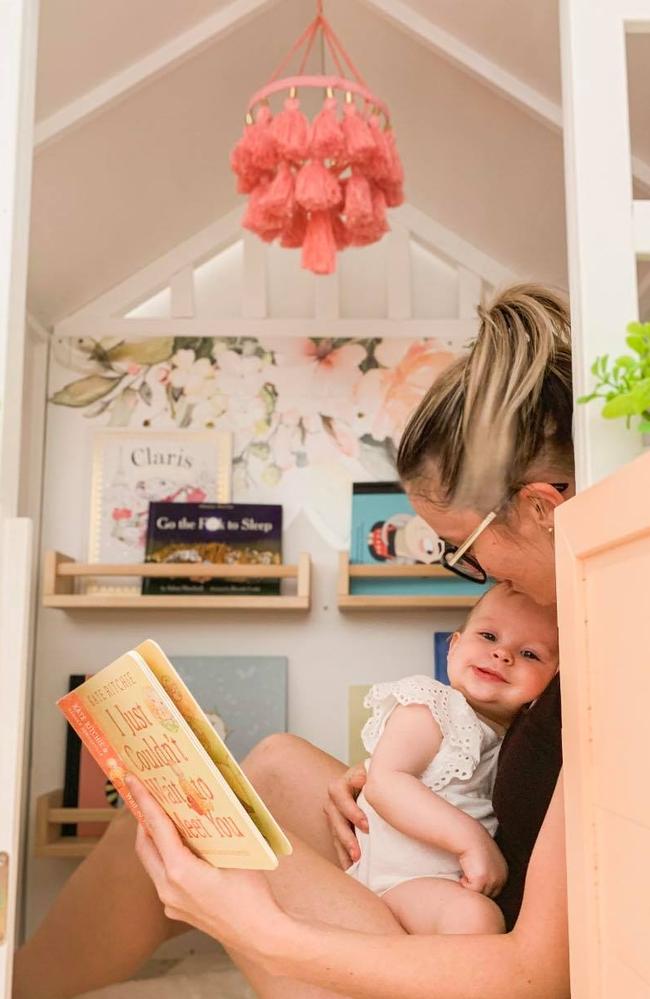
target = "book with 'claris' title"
x: 137, y: 716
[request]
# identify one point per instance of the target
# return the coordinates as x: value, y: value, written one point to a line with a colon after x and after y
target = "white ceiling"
x: 130, y: 182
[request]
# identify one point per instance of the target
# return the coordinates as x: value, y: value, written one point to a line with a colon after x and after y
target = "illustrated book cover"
x: 229, y: 533
x: 132, y: 469
x: 136, y: 715
x: 386, y: 530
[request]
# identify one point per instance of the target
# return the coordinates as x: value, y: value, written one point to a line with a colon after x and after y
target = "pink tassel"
x: 257, y: 218
x: 393, y: 186
x: 358, y: 202
x: 294, y: 231
x: 340, y: 232
x: 278, y: 200
x: 263, y: 150
x: 376, y: 227
x: 290, y: 129
x: 319, y: 248
x: 317, y: 189
x: 327, y: 142
x: 359, y: 142
x: 379, y: 165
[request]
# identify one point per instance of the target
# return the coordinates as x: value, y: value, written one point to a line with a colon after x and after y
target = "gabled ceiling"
x: 140, y: 101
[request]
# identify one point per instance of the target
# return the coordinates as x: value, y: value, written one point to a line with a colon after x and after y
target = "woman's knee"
x: 271, y: 757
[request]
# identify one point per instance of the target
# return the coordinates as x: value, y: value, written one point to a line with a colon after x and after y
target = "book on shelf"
x: 228, y: 533
x: 133, y: 468
x: 84, y: 784
x: 441, y: 640
x: 387, y: 531
x: 136, y: 715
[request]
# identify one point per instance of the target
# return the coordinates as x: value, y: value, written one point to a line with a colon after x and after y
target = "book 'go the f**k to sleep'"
x: 137, y: 716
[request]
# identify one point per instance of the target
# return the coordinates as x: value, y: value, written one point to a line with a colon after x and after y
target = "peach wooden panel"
x: 603, y: 561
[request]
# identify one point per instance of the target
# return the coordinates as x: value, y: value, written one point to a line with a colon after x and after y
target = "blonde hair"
x: 502, y: 412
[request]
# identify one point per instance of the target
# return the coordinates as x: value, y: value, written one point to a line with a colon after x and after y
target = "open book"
x: 137, y: 716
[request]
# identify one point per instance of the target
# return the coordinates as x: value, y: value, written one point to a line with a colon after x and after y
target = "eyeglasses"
x: 455, y: 557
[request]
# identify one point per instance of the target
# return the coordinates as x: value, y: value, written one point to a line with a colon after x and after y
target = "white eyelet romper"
x: 462, y: 772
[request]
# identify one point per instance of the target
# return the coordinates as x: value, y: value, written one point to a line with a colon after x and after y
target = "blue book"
x: 441, y: 640
x: 386, y: 530
x: 231, y: 533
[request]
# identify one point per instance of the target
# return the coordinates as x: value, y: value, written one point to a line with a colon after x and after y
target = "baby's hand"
x: 484, y: 869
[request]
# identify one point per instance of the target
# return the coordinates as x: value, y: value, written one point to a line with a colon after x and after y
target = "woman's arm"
x: 410, y: 740
x: 531, y: 962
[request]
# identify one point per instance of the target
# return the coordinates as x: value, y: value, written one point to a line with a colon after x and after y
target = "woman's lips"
x: 487, y: 674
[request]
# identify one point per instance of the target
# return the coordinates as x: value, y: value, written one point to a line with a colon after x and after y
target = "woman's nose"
x: 503, y: 655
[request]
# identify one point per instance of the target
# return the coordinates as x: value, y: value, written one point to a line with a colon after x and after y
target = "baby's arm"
x: 409, y: 742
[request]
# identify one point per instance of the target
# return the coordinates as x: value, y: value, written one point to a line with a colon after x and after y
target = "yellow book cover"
x: 137, y: 716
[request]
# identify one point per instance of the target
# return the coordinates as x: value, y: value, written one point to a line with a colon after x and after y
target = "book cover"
x: 136, y: 715
x: 132, y: 469
x: 232, y: 533
x: 245, y: 697
x: 386, y: 530
x: 441, y: 641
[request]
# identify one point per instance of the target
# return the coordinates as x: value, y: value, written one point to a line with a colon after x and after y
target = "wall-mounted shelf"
x: 60, y: 573
x: 387, y: 601
x: 50, y: 816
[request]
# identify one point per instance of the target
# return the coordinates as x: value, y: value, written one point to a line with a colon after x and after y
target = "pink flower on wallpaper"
x: 327, y: 370
x: 122, y: 513
x: 387, y: 396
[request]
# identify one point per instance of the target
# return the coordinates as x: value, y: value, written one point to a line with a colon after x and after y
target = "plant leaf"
x: 143, y: 351
x: 85, y: 391
x: 641, y: 394
x: 620, y: 405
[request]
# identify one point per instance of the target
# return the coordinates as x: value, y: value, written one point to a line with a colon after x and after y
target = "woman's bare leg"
x: 309, y: 884
x: 105, y: 923
x: 110, y: 898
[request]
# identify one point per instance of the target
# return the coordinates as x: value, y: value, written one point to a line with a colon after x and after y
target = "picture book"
x: 244, y: 697
x: 136, y: 715
x: 231, y: 533
x: 132, y: 469
x: 387, y: 530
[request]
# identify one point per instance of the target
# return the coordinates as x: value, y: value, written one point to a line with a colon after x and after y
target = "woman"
x: 486, y: 459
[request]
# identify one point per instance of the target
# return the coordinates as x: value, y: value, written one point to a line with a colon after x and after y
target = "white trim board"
x: 451, y: 332
x: 160, y: 61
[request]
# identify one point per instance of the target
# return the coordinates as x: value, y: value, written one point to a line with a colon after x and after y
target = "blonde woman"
x: 486, y: 459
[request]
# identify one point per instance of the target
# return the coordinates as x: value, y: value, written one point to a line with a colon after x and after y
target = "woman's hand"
x: 235, y: 906
x: 483, y: 866
x: 343, y: 813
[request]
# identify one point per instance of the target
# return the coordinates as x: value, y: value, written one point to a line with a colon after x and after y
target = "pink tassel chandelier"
x: 322, y: 185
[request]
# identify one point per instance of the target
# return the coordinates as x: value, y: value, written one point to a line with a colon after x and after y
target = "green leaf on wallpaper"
x: 143, y: 351
x: 85, y: 390
x: 123, y: 408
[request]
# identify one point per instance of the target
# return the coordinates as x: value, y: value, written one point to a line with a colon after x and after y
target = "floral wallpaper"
x: 308, y: 416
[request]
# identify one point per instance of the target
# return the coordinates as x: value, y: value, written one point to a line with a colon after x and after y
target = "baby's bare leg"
x: 437, y: 905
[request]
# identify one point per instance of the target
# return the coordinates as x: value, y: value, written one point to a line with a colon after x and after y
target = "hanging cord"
x: 307, y: 39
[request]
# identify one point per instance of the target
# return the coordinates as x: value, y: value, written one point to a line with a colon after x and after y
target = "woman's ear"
x: 542, y: 499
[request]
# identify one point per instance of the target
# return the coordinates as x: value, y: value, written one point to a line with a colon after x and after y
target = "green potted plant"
x: 624, y: 383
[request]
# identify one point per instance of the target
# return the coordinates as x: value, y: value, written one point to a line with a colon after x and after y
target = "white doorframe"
x: 18, y: 54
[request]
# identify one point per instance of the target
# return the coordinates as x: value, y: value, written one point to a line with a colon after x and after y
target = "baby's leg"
x: 437, y: 905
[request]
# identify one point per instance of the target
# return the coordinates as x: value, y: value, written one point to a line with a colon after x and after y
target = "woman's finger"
x: 149, y: 857
x: 160, y: 827
x: 342, y: 832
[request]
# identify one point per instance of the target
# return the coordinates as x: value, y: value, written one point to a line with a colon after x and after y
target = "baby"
x: 429, y: 850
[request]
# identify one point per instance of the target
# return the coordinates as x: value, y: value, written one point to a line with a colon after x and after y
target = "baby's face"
x: 507, y: 654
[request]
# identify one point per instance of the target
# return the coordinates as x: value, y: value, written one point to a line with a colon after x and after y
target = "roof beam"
x: 484, y: 70
x: 139, y: 73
